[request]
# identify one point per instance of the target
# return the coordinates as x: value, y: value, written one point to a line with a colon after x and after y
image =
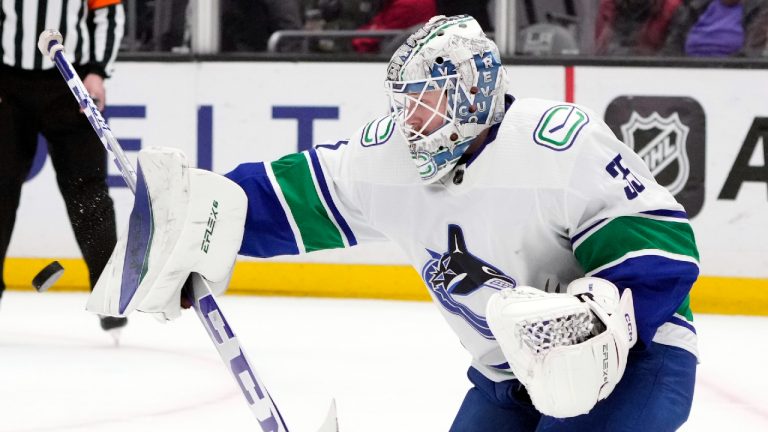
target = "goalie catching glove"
x: 568, y: 350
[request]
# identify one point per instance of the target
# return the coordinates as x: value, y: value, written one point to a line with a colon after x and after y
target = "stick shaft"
x: 98, y: 123
x: 232, y: 354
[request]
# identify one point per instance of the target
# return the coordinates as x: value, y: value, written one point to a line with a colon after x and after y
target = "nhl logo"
x: 661, y: 142
x: 669, y: 133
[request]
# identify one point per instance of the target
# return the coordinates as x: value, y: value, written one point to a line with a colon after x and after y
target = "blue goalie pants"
x: 655, y: 394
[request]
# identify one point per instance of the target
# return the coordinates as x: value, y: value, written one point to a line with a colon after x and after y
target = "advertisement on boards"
x: 704, y: 138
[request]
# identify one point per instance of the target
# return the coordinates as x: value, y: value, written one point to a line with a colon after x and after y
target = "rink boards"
x: 702, y: 132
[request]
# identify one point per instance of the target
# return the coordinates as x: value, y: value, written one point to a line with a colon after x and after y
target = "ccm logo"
x: 229, y: 348
x: 630, y: 330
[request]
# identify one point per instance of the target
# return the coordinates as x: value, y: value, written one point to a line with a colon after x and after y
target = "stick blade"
x: 331, y: 423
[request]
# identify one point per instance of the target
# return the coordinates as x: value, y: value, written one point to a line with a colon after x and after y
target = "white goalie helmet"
x: 446, y: 85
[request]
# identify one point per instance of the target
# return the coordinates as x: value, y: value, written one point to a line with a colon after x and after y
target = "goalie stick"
x: 196, y: 288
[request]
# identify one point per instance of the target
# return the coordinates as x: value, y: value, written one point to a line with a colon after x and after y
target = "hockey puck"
x: 47, y: 276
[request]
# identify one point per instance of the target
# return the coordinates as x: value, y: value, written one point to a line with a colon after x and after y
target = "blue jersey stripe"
x: 267, y: 230
x: 575, y: 238
x: 504, y: 365
x: 667, y: 213
x: 329, y: 200
x: 659, y: 285
x: 661, y: 212
x: 683, y: 323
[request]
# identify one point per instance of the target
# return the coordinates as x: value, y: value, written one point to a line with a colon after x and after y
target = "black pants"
x: 33, y: 102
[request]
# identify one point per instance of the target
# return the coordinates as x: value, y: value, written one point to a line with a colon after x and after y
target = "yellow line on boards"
x: 392, y: 282
x: 711, y: 294
x: 730, y: 296
x: 261, y: 278
x: 19, y: 273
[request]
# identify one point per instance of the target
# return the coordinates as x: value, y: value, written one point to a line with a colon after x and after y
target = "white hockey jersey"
x: 551, y: 196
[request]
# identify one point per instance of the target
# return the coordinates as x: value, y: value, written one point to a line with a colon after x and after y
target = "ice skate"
x: 113, y: 326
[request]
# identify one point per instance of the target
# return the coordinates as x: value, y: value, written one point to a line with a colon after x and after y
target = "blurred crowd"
x: 700, y: 28
x: 673, y: 28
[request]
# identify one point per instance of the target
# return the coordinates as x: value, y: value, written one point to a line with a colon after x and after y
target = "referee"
x: 34, y: 100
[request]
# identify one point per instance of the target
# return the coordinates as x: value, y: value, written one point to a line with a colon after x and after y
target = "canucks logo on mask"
x: 462, y: 282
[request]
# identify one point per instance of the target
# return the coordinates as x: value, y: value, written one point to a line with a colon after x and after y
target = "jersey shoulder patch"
x: 559, y: 126
x: 377, y: 132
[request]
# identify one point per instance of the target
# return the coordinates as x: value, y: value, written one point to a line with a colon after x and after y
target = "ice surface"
x: 390, y: 365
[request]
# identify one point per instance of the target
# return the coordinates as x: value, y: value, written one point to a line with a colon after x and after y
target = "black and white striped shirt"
x: 92, y: 31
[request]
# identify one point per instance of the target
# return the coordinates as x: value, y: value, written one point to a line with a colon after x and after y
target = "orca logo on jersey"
x: 462, y: 283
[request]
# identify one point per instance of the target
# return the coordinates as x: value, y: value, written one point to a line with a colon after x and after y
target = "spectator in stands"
x: 756, y: 43
x: 337, y: 15
x: 639, y: 27
x: 172, y: 27
x: 719, y: 28
x: 246, y: 25
x: 342, y: 14
x: 477, y: 8
x: 395, y: 14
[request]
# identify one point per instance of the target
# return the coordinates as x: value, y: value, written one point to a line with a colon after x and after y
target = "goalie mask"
x: 446, y: 85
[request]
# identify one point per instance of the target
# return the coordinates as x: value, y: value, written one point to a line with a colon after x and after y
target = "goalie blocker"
x: 568, y: 350
x: 184, y: 220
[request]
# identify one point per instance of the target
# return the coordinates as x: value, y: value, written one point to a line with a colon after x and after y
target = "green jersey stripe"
x: 626, y: 234
x: 685, y: 308
x: 318, y: 231
x: 285, y: 208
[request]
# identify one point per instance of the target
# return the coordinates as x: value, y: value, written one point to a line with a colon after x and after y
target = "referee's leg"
x: 80, y: 161
x: 18, y: 142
